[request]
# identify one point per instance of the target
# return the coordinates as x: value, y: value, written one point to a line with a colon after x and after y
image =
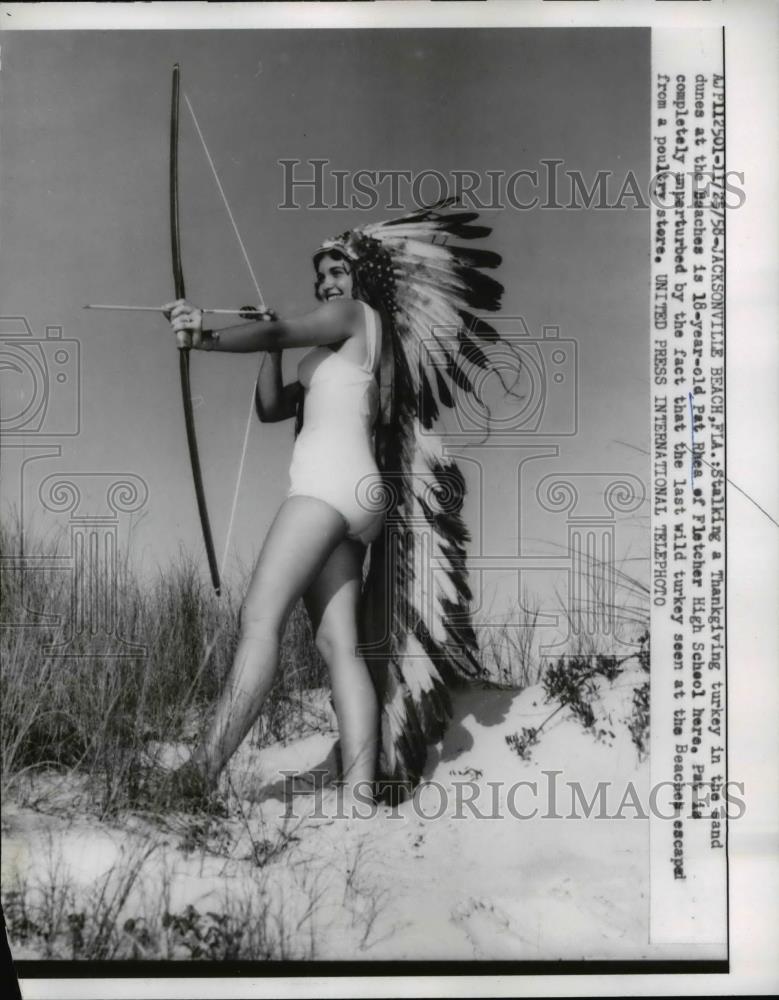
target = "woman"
x: 316, y: 544
x: 396, y: 295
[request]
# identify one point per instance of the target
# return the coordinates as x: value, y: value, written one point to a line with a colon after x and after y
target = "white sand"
x: 404, y: 885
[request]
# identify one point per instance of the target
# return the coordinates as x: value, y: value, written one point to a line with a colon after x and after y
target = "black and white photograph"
x: 366, y: 495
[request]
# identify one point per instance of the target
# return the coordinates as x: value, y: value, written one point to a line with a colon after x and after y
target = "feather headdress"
x: 417, y: 631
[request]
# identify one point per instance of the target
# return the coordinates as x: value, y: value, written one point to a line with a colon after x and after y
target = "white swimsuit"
x: 333, y: 458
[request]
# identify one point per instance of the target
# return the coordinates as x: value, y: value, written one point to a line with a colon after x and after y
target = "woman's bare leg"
x: 332, y: 603
x: 303, y: 535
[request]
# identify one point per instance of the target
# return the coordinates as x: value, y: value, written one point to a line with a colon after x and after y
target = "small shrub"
x: 572, y: 683
x: 521, y: 744
x: 638, y: 723
x: 210, y: 936
x: 54, y: 919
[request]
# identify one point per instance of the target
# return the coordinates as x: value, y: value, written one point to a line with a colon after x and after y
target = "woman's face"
x: 333, y: 279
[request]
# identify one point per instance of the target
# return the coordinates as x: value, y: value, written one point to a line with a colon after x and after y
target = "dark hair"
x: 358, y: 292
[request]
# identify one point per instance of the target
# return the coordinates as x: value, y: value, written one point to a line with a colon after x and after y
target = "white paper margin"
x: 753, y: 418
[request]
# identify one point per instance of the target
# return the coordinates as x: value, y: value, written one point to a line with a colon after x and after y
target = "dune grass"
x: 103, y: 717
x: 93, y: 720
x: 129, y: 913
x: 63, y: 706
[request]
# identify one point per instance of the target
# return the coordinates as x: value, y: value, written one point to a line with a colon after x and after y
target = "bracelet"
x: 213, y: 337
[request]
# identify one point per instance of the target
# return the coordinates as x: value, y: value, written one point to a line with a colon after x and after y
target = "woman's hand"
x: 187, y: 323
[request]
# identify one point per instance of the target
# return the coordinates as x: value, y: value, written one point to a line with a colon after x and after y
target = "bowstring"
x: 261, y: 304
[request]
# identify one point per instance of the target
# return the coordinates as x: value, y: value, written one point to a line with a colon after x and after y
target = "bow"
x: 179, y: 293
x: 178, y: 282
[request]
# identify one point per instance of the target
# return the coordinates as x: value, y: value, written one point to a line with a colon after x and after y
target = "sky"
x: 84, y: 218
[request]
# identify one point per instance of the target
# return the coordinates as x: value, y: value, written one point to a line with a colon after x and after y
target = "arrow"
x: 245, y: 311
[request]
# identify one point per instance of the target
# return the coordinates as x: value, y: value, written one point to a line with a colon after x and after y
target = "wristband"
x: 212, y: 340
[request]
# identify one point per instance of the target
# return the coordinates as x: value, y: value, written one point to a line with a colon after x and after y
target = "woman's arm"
x: 273, y: 400
x: 331, y: 323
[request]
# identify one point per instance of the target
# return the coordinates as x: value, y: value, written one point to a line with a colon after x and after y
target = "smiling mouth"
x: 333, y: 295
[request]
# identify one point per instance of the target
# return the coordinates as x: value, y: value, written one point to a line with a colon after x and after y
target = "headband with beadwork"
x: 370, y: 255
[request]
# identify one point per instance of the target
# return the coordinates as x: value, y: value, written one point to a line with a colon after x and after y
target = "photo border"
x: 741, y: 20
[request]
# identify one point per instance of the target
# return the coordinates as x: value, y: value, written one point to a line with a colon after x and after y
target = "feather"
x: 432, y: 289
x: 472, y: 352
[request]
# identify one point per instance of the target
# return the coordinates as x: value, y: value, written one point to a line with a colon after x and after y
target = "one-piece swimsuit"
x: 333, y: 458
